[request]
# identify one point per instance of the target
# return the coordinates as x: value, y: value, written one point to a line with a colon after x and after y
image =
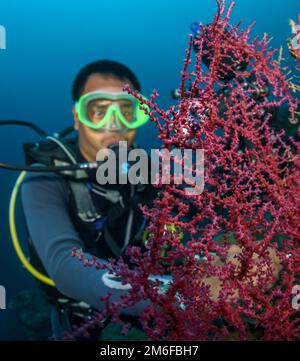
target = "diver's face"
x: 90, y: 140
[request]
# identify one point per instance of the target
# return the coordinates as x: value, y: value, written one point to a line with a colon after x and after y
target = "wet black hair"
x: 104, y: 67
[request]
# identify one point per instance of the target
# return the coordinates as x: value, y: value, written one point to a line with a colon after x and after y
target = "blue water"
x: 49, y: 41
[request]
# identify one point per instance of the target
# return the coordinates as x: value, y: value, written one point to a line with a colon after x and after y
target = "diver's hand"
x: 166, y: 281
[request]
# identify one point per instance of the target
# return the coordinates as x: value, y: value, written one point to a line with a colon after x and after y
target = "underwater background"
x: 46, y: 45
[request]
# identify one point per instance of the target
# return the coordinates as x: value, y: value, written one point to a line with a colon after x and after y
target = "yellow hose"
x: 15, y: 241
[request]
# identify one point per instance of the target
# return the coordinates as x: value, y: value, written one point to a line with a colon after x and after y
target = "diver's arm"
x: 44, y: 198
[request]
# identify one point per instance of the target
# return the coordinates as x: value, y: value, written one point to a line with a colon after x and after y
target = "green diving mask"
x: 111, y: 111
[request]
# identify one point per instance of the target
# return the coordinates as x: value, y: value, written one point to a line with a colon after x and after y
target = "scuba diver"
x: 66, y: 208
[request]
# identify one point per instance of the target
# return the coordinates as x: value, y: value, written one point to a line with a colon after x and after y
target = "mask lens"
x: 127, y: 109
x: 97, y: 109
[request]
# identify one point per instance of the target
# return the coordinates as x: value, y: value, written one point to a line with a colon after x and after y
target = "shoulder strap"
x: 84, y: 203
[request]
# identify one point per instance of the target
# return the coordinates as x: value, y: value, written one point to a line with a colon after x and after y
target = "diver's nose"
x: 114, y: 124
